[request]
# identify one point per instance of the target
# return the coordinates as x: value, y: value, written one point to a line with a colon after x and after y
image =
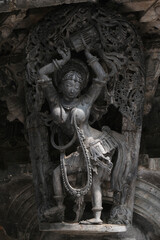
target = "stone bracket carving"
x: 120, y: 68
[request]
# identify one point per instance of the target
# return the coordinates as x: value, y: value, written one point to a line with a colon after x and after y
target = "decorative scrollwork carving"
x: 115, y: 41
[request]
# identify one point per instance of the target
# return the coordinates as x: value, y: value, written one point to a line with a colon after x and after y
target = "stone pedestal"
x: 76, y: 228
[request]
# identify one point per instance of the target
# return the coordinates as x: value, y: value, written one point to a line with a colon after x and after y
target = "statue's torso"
x: 64, y: 118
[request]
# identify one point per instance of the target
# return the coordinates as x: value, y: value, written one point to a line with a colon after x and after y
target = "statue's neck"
x: 69, y: 102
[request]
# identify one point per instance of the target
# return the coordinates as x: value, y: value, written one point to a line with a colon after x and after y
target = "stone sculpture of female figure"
x: 70, y: 111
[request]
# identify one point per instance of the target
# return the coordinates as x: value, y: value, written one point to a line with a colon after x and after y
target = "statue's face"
x: 71, y: 86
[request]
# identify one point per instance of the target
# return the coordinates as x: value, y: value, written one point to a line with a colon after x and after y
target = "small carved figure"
x: 71, y: 111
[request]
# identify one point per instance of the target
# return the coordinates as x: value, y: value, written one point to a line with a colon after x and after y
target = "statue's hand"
x: 43, y: 79
x: 66, y: 55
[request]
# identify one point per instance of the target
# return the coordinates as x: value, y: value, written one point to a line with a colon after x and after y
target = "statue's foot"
x: 91, y: 221
x: 55, y: 214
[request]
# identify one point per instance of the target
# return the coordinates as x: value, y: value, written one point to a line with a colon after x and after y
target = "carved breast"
x: 79, y: 114
x: 60, y: 114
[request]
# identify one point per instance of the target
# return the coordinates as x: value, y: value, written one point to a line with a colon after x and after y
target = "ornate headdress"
x: 72, y: 67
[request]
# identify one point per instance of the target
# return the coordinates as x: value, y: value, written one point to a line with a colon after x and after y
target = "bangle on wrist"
x: 92, y: 60
x: 44, y: 81
x: 97, y: 80
x: 56, y: 65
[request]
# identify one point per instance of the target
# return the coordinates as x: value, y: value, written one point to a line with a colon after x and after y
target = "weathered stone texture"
x: 11, y: 5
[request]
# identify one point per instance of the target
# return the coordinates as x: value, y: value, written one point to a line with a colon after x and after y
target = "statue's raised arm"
x: 54, y: 65
x: 99, y: 81
x: 46, y: 82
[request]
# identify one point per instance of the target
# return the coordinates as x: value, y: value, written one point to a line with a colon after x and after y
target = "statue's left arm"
x: 101, y: 77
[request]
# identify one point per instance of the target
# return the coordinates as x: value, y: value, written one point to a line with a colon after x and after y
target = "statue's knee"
x: 96, y: 180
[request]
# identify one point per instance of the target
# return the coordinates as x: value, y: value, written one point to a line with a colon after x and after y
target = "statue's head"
x: 74, y: 77
x: 72, y: 84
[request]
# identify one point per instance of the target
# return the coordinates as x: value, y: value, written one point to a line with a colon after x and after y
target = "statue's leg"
x: 57, y: 187
x: 76, y: 166
x: 72, y: 165
x: 97, y: 197
x: 96, y: 192
x: 56, y: 213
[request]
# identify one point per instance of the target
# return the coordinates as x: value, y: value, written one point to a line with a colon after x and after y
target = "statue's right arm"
x: 46, y: 83
x: 54, y: 65
x: 50, y: 93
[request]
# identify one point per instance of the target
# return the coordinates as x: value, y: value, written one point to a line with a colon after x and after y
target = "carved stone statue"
x: 80, y: 61
x: 71, y: 111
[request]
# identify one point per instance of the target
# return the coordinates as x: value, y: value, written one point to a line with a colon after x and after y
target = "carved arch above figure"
x: 109, y: 35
